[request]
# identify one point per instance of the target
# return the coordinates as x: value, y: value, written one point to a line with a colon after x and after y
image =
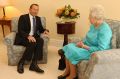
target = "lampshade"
x: 4, y: 3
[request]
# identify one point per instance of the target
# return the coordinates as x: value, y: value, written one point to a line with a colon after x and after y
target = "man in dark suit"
x: 29, y: 30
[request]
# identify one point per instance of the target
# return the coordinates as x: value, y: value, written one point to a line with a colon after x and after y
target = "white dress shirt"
x: 31, y: 23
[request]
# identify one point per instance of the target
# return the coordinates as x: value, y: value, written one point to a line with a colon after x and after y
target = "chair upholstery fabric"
x: 15, y: 52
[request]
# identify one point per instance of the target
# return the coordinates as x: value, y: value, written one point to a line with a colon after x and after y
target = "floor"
x: 9, y: 72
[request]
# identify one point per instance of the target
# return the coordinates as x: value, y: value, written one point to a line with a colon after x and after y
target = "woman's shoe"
x: 76, y: 77
x: 62, y: 77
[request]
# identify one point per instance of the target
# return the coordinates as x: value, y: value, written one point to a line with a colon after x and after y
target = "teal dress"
x: 97, y: 39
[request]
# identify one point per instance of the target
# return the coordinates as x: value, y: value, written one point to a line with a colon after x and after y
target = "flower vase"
x: 67, y: 20
x: 64, y: 20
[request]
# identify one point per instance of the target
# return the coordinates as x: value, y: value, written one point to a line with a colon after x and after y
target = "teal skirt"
x: 75, y: 54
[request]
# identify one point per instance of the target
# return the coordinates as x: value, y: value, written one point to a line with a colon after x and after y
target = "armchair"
x: 103, y: 64
x: 15, y: 52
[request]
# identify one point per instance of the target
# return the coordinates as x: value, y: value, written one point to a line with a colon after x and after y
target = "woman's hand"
x: 69, y: 40
x: 86, y: 47
x: 80, y: 44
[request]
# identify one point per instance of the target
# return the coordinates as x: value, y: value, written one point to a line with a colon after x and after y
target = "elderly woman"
x: 98, y: 38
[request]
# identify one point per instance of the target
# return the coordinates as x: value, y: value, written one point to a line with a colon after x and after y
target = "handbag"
x: 62, y: 64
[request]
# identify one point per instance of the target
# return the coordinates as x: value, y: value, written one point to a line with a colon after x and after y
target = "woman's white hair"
x: 97, y: 11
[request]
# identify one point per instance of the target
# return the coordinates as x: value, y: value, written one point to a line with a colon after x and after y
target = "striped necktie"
x: 34, y: 24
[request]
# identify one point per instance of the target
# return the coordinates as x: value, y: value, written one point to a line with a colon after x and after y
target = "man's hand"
x: 31, y: 38
x: 46, y: 32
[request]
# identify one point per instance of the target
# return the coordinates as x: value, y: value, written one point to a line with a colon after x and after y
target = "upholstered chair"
x: 103, y: 64
x: 15, y: 52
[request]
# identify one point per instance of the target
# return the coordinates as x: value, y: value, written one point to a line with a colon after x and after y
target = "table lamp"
x: 3, y: 4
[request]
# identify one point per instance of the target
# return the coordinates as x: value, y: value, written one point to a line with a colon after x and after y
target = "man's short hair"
x: 33, y: 5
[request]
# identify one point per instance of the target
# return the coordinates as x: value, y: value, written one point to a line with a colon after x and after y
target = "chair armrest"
x: 85, y: 67
x: 74, y: 40
x: 9, y: 39
x: 108, y: 56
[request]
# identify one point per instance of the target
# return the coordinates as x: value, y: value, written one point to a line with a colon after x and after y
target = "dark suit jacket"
x: 24, y: 27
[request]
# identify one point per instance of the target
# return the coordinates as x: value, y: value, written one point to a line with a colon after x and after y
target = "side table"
x: 65, y: 29
x: 4, y: 22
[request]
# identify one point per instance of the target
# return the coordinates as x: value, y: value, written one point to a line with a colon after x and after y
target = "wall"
x: 48, y: 9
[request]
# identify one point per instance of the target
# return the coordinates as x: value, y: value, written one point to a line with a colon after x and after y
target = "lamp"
x: 3, y: 4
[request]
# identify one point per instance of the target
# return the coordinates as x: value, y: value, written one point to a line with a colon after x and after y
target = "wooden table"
x: 4, y: 22
x: 66, y: 28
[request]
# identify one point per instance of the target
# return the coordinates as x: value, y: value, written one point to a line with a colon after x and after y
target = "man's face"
x: 34, y: 10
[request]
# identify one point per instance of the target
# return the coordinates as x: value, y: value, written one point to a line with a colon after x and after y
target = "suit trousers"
x: 34, y: 50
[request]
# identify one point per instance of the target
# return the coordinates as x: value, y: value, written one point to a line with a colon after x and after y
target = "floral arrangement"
x: 67, y: 12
